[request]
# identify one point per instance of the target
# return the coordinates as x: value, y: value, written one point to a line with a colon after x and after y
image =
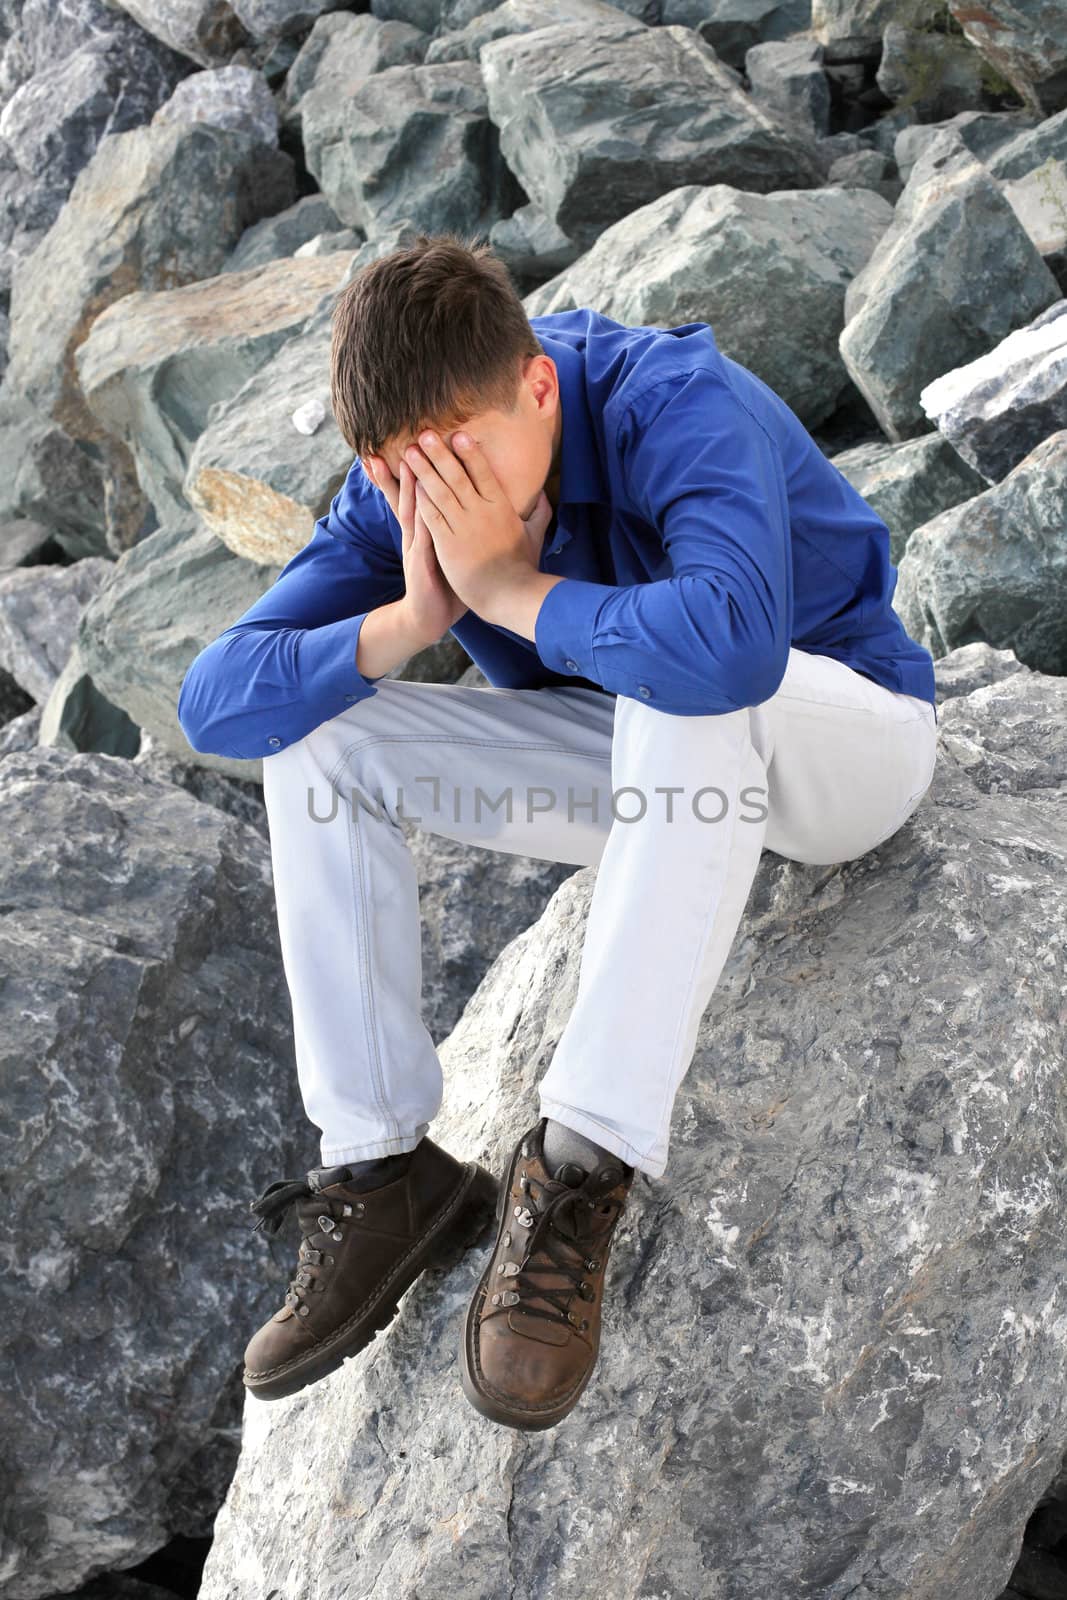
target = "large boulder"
x: 156, y: 366
x: 833, y: 1353
x: 907, y: 484
x: 721, y: 255
x: 409, y: 144
x: 69, y: 76
x: 598, y: 120
x: 1026, y: 41
x: 149, y: 1093
x: 40, y: 610
x: 994, y: 568
x: 953, y: 274
x: 996, y: 409
x: 155, y: 208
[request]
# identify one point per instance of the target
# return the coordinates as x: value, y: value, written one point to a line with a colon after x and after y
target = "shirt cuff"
x: 328, y: 662
x: 565, y: 626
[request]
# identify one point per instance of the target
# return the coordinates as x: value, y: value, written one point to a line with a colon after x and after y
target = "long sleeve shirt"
x: 700, y: 532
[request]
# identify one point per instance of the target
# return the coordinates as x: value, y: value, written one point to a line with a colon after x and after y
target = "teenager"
x: 684, y: 611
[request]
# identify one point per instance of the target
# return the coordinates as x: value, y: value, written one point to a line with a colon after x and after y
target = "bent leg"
x: 821, y: 772
x: 525, y: 771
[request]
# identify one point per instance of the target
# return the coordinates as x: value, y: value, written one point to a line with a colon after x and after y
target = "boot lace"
x: 557, y: 1225
x: 320, y: 1219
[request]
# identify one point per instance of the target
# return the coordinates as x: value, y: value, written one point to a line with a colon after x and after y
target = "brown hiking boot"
x: 361, y: 1249
x: 531, y: 1336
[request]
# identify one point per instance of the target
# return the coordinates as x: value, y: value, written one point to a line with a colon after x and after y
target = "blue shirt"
x: 700, y: 530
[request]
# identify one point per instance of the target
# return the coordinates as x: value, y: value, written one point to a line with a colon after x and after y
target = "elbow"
x: 758, y: 671
x: 194, y: 712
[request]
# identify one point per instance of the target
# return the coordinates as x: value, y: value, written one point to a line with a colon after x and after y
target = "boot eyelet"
x: 336, y: 1234
x: 584, y: 1323
x: 360, y: 1206
x: 328, y: 1259
x: 304, y: 1311
x: 592, y: 1263
x: 346, y: 1210
x: 325, y: 1223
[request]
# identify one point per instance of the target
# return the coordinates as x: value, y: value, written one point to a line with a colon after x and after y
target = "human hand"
x: 484, y: 548
x: 431, y: 602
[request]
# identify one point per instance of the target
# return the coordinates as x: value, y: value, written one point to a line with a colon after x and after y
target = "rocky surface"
x: 994, y: 568
x: 867, y: 203
x: 837, y: 1320
x: 148, y: 1088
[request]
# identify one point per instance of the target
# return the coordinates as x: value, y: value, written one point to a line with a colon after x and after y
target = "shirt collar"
x: 581, y: 477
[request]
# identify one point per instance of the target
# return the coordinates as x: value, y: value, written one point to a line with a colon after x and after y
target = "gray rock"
x: 167, y: 598
x: 257, y: 480
x: 721, y: 255
x: 40, y: 608
x: 866, y: 1141
x: 226, y: 97
x: 432, y: 16
x: 412, y: 144
x: 732, y: 27
x: 157, y: 366
x: 472, y: 903
x: 951, y: 276
x: 46, y: 478
x: 24, y: 543
x: 271, y: 19
x: 149, y: 1094
x: 996, y: 409
x: 272, y: 238
x: 995, y: 567
x: 596, y: 122
x: 786, y: 79
x: 76, y: 716
x: 21, y: 732
x: 866, y: 169
x: 982, y: 132
x: 857, y: 25
x: 155, y: 208
x: 909, y: 483
x: 237, y: 797
x: 1032, y: 170
x: 69, y: 75
x: 1026, y: 41
x: 340, y: 52
x: 516, y: 16
x: 208, y: 31
x: 936, y: 74
x: 254, y: 479
x: 531, y: 245
x: 973, y: 666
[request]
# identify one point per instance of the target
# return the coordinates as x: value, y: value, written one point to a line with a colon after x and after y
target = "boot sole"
x: 458, y: 1225
x: 498, y: 1410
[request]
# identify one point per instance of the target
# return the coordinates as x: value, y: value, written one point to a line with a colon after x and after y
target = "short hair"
x: 432, y: 333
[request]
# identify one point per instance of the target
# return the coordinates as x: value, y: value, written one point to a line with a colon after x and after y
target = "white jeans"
x: 674, y: 811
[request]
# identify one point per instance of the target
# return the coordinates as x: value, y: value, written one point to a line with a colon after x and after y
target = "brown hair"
x: 434, y: 332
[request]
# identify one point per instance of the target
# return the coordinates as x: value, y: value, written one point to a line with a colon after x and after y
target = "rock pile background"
x: 840, y: 1344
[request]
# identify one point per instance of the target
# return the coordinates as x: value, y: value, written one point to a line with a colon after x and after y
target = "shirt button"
x: 274, y: 739
x: 573, y: 665
x: 350, y: 697
x: 644, y: 691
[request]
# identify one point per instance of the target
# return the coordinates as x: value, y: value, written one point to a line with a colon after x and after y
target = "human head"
x: 435, y: 335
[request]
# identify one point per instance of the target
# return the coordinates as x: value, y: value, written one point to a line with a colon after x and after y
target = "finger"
x: 432, y: 514
x: 406, y: 503
x: 434, y: 486
x: 448, y: 466
x: 477, y: 465
x: 378, y: 471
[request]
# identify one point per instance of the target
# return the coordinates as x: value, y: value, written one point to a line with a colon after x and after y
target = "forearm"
x: 387, y: 637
